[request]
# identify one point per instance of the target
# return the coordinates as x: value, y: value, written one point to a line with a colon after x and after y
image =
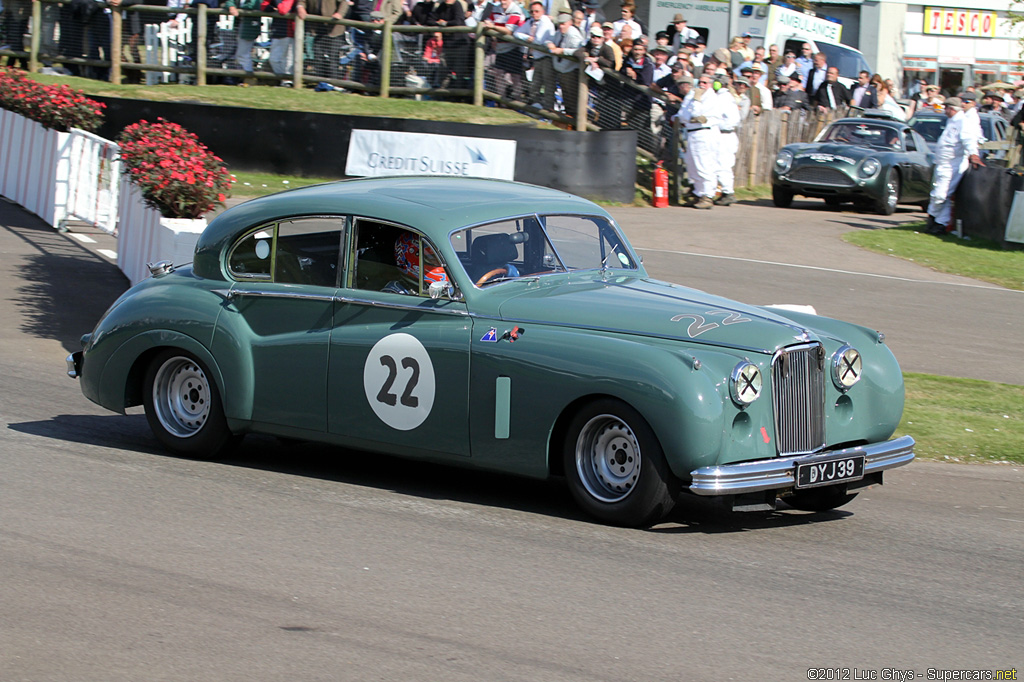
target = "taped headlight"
x: 784, y: 161
x: 869, y: 168
x: 745, y: 383
x: 846, y: 367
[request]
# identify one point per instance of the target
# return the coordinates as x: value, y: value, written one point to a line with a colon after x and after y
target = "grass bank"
x: 975, y: 258
x: 289, y: 99
x: 964, y: 420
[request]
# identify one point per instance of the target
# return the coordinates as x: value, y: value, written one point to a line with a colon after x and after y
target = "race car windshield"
x: 862, y: 134
x: 539, y: 245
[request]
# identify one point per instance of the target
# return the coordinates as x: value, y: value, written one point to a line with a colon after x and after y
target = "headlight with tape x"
x: 745, y: 383
x: 846, y: 367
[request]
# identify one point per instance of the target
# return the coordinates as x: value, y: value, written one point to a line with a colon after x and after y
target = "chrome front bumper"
x: 770, y: 474
x: 74, y: 364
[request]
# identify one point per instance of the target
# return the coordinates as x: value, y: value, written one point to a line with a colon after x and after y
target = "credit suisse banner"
x: 382, y: 152
x: 959, y: 22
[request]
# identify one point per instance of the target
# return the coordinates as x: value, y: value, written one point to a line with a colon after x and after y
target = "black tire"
x: 615, y: 466
x: 891, y: 196
x: 183, y: 406
x: 820, y: 499
x: 782, y: 197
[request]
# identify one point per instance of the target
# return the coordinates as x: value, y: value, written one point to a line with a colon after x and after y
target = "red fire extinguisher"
x: 660, y: 187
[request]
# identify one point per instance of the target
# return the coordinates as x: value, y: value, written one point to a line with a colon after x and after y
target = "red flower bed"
x: 177, y: 174
x: 57, y: 107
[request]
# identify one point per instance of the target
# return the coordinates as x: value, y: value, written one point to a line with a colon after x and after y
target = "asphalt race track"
x: 304, y: 563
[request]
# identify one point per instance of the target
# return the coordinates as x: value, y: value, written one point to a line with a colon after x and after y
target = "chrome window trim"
x: 418, y: 307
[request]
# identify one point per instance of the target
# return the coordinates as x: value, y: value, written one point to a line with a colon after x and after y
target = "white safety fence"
x: 88, y: 177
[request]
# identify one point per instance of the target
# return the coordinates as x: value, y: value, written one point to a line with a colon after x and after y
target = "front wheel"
x: 615, y: 466
x: 183, y: 406
x: 782, y: 197
x: 820, y: 499
x: 890, y: 193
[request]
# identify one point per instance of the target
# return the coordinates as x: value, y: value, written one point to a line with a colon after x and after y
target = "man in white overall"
x: 728, y: 145
x: 956, y: 149
x: 700, y: 115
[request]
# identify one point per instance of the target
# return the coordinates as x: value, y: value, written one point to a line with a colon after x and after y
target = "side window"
x: 297, y: 251
x: 308, y: 250
x: 911, y: 145
x: 391, y: 258
x: 250, y: 257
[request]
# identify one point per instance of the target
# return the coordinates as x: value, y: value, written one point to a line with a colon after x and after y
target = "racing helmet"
x: 407, y: 257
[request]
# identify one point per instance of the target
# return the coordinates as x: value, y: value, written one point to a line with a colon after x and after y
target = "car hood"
x: 828, y: 152
x: 653, y: 308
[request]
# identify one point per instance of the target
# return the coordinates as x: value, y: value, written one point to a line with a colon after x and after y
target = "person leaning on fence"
x: 791, y: 95
x: 638, y: 67
x: 832, y: 94
x: 599, y: 56
x: 503, y: 17
x: 247, y: 30
x: 539, y: 30
x: 327, y: 38
x: 609, y: 39
x: 741, y: 86
x: 136, y: 23
x: 16, y: 14
x: 592, y: 15
x: 568, y: 41
x: 699, y: 115
x: 458, y: 47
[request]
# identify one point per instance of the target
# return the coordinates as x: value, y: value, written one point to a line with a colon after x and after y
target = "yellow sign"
x: 959, y: 22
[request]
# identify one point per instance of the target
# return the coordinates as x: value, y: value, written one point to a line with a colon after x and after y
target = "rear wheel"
x: 820, y: 499
x: 183, y: 406
x: 890, y: 193
x: 782, y: 197
x: 615, y: 466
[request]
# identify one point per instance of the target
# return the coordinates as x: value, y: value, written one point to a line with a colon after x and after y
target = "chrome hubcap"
x: 181, y: 397
x: 893, y: 191
x: 608, y: 458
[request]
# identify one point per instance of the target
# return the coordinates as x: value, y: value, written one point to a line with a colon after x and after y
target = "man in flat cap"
x: 954, y: 153
x: 567, y: 41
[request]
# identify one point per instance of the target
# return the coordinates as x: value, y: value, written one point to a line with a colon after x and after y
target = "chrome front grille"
x: 798, y: 396
x: 821, y: 175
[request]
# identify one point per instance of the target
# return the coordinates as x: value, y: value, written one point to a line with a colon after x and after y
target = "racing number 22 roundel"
x: 399, y: 381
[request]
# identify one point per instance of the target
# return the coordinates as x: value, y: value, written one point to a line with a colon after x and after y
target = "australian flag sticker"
x: 491, y: 336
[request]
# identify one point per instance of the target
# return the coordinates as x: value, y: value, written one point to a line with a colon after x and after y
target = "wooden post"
x: 673, y: 164
x: 201, y: 46
x: 298, y: 68
x: 37, y: 26
x: 755, y: 123
x: 582, y: 96
x: 478, y: 66
x: 386, y: 54
x: 115, y: 45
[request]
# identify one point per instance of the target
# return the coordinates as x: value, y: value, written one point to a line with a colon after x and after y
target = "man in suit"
x: 831, y: 93
x: 816, y: 76
x: 864, y: 94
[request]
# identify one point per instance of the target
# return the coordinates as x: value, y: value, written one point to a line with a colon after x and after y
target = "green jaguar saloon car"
x: 500, y: 326
x: 876, y: 163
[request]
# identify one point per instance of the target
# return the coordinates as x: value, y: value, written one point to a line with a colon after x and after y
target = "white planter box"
x: 144, y: 236
x: 29, y: 166
x: 58, y: 175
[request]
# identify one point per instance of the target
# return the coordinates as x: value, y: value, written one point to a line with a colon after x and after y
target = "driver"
x: 407, y: 258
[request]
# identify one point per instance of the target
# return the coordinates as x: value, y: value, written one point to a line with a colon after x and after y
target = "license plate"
x: 830, y: 472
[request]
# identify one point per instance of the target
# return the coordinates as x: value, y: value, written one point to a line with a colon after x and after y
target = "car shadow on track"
x: 425, y: 480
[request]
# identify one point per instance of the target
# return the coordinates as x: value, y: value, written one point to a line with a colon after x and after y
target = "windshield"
x: 862, y: 134
x: 539, y: 245
x: 931, y: 127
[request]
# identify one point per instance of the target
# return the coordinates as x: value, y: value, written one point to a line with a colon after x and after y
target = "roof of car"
x: 434, y: 205
x: 889, y: 123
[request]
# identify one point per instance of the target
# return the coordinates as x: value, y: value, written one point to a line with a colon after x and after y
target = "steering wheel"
x: 488, y: 276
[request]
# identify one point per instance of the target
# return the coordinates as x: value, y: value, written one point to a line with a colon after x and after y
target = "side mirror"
x: 443, y: 289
